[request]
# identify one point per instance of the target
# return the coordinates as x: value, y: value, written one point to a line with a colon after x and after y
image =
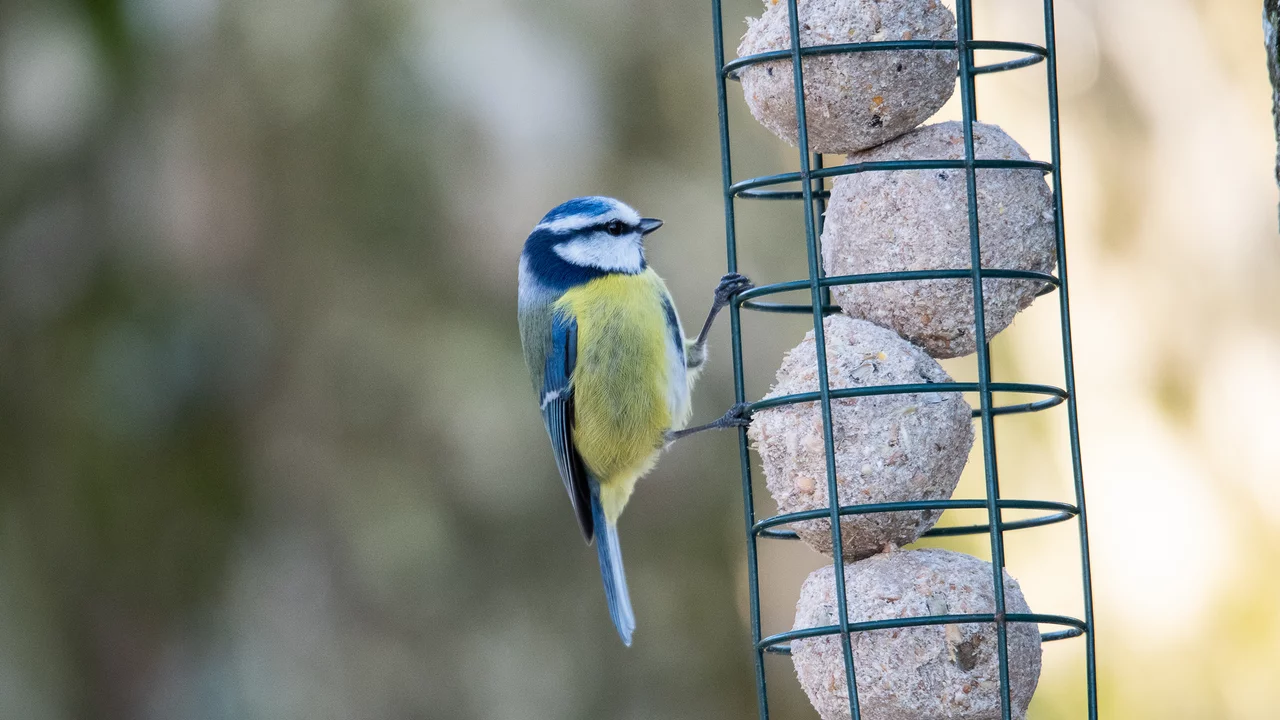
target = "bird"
x: 610, y: 365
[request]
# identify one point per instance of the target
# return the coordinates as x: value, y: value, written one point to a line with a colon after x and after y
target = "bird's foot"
x: 738, y: 416
x: 731, y: 285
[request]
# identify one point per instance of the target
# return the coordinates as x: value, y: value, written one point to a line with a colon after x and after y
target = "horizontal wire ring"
x: 884, y: 166
x: 1055, y: 395
x: 747, y: 299
x: 1071, y: 632
x: 782, y: 194
x: 1066, y: 510
x: 1072, y: 624
x: 1036, y: 53
x: 1049, y: 519
x: 896, y: 276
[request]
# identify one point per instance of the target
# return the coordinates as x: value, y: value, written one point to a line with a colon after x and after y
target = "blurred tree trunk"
x: 1271, y: 24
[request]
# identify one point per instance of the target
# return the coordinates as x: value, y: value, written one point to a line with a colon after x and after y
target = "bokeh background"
x: 267, y: 447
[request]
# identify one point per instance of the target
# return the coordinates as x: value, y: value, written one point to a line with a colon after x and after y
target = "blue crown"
x: 584, y: 207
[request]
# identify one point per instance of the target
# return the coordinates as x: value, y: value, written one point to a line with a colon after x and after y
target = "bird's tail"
x: 615, y: 578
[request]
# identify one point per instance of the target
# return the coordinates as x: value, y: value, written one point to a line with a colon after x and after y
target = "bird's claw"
x: 731, y: 285
x: 738, y: 416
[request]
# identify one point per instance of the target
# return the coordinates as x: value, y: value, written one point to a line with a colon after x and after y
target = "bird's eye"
x: 615, y: 227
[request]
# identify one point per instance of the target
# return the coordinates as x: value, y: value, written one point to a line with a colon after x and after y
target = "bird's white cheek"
x: 622, y: 254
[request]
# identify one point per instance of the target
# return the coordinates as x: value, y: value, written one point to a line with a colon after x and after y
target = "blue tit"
x: 610, y: 364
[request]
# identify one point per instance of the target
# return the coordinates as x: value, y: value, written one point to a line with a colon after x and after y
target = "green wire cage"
x: 812, y: 177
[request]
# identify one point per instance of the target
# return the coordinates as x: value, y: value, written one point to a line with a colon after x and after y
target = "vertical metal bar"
x: 964, y: 35
x: 819, y: 203
x: 820, y: 211
x: 820, y: 350
x: 739, y: 387
x: 968, y: 80
x: 1051, y: 67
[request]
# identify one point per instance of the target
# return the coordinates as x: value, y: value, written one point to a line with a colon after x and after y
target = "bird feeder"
x: 982, y: 627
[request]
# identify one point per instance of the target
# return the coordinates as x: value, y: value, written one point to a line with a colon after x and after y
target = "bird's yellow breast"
x: 621, y: 379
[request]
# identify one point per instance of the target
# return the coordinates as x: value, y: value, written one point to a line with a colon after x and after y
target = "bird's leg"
x: 696, y: 352
x: 730, y: 285
x: 738, y: 416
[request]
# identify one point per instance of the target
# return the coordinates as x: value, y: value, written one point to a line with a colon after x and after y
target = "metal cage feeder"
x: 811, y: 178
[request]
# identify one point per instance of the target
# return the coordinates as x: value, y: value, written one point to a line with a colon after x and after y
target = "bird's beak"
x: 648, y: 225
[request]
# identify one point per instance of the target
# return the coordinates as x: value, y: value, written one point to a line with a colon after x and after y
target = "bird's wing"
x: 558, y: 414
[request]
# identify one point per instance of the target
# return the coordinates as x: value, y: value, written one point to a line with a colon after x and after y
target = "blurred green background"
x: 267, y: 448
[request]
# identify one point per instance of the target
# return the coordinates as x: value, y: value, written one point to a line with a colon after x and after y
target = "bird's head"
x: 585, y: 238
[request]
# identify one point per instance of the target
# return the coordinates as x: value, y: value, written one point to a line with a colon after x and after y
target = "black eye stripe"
x: 604, y: 227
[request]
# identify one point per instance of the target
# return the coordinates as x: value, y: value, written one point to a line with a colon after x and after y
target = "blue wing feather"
x: 558, y: 415
x: 673, y: 325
